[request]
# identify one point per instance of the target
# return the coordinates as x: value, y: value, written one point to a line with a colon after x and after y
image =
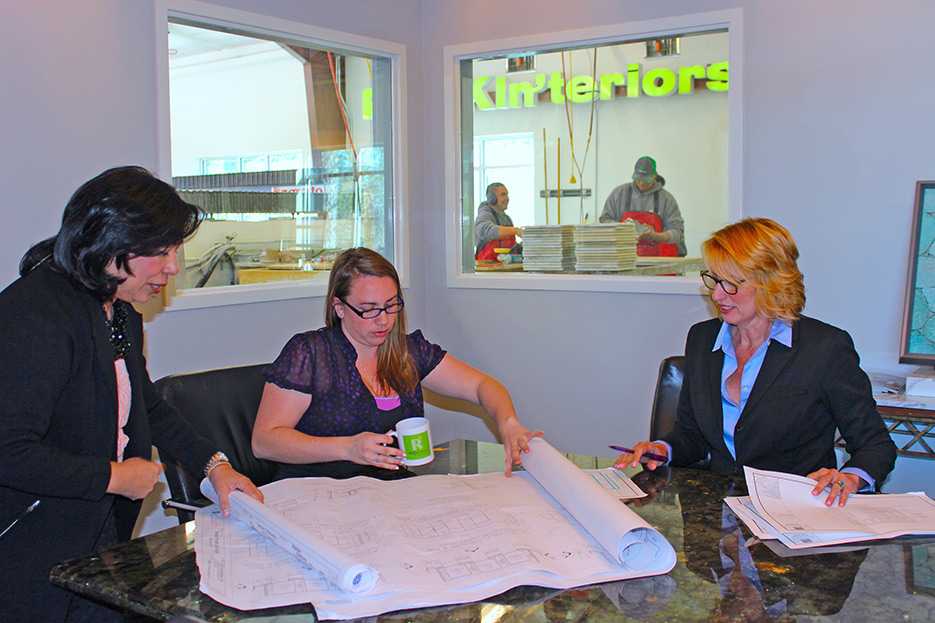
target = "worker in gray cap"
x: 661, y: 234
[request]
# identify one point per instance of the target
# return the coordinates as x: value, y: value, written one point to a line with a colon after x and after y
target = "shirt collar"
x: 779, y: 331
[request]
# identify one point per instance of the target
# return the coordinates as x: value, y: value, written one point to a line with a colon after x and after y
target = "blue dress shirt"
x: 782, y: 333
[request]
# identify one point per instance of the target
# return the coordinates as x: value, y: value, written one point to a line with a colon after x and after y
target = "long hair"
x: 395, y: 368
x: 763, y: 253
x: 122, y: 213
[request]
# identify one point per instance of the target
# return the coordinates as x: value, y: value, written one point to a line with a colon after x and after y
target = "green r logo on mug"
x: 415, y: 439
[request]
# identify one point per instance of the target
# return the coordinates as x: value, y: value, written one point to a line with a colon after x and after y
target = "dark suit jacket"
x: 801, y: 395
x: 58, y: 432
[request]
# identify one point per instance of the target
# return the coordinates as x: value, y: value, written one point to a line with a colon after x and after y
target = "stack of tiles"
x: 607, y: 247
x: 548, y: 248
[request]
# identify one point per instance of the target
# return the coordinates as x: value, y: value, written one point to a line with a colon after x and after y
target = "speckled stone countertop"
x: 723, y: 573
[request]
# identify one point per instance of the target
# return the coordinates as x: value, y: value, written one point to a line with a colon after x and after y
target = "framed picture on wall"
x: 918, y: 335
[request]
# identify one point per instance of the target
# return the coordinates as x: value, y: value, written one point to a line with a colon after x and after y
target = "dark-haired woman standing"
x: 78, y: 412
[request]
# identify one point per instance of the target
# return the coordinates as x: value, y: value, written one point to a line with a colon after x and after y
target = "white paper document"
x: 424, y: 541
x: 618, y: 483
x: 782, y: 506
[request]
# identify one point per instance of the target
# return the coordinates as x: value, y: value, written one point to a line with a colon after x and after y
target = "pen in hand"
x: 647, y: 456
x: 30, y: 509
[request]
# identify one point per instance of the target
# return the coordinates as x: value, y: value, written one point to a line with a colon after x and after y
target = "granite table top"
x: 723, y: 573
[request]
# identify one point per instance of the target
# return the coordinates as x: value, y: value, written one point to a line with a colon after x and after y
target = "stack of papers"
x: 887, y: 383
x: 781, y: 506
x: 360, y: 547
x: 606, y: 247
x: 548, y: 248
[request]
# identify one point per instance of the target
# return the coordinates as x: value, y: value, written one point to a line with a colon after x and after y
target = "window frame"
x: 729, y: 19
x: 268, y: 26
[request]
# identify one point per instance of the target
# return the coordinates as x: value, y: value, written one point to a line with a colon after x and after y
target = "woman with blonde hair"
x: 333, y: 394
x: 764, y: 385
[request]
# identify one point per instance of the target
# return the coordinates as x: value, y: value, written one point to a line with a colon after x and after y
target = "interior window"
x: 566, y: 134
x: 286, y: 145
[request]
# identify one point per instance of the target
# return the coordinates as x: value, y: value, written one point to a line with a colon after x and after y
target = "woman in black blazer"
x: 78, y: 412
x: 765, y: 386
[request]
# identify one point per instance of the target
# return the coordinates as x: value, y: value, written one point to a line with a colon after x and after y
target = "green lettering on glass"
x: 528, y: 91
x: 556, y: 85
x: 718, y: 76
x: 367, y: 103
x: 656, y: 83
x: 500, y: 94
x: 687, y: 77
x: 608, y: 82
x: 659, y: 82
x: 581, y: 89
x: 633, y: 80
x: 480, y: 96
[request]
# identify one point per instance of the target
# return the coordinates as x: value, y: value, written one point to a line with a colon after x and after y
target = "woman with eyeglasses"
x: 332, y: 394
x: 765, y: 386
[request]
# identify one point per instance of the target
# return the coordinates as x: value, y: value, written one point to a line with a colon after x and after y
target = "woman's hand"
x: 374, y: 449
x: 842, y: 485
x: 632, y: 459
x: 225, y: 479
x: 515, y: 441
x: 133, y: 478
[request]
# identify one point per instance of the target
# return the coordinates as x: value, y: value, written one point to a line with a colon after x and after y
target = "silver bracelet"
x: 219, y: 458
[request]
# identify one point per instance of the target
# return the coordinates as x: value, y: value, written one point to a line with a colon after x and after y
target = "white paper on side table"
x: 424, y: 541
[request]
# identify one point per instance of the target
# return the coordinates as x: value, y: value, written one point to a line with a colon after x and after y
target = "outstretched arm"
x: 455, y: 378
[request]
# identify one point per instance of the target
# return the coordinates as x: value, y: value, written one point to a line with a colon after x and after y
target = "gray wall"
x: 837, y: 130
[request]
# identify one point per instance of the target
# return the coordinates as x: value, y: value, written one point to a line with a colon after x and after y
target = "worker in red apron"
x: 493, y: 228
x: 646, y: 201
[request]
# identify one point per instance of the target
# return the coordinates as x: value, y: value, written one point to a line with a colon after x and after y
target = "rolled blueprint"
x: 624, y: 534
x: 334, y: 565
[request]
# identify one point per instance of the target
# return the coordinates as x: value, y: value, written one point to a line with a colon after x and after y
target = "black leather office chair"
x: 221, y: 405
x: 666, y: 399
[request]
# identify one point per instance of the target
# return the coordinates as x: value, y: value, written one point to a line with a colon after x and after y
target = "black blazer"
x: 801, y: 395
x: 58, y: 434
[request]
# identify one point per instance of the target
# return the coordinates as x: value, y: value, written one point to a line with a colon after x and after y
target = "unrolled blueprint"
x: 431, y: 540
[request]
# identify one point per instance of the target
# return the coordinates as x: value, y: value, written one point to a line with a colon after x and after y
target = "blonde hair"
x: 395, y: 368
x: 763, y: 253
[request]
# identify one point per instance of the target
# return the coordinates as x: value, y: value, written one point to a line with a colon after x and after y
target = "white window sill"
x: 579, y: 283
x: 198, y: 298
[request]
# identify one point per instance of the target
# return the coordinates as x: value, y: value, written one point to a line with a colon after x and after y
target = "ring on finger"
x: 840, y: 483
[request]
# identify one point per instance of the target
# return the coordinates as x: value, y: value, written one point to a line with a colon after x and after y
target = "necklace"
x: 117, y: 329
x: 367, y: 374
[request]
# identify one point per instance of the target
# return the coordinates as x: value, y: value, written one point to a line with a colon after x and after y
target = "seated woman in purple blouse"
x: 332, y: 394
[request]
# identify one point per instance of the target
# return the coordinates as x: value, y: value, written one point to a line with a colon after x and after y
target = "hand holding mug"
x: 415, y: 439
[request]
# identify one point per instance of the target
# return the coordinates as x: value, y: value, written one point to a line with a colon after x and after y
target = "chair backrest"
x: 221, y: 405
x: 666, y: 399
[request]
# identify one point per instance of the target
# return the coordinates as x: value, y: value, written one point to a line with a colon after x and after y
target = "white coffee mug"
x: 415, y: 439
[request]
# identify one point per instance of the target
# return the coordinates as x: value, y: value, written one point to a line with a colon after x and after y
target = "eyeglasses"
x: 711, y: 282
x: 373, y: 312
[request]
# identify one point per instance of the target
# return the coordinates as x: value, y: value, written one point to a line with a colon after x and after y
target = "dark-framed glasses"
x: 373, y: 312
x: 711, y: 282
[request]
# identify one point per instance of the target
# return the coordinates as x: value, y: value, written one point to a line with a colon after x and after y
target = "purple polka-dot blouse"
x: 323, y: 363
